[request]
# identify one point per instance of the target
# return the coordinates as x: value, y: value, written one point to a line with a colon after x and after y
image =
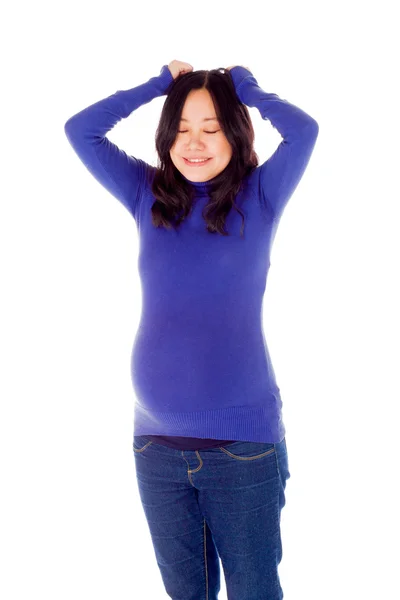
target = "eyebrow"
x: 206, y: 119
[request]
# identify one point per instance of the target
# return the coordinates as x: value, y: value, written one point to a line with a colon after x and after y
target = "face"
x: 200, y: 136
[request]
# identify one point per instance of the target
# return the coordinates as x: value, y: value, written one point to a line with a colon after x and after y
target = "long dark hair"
x: 174, y: 195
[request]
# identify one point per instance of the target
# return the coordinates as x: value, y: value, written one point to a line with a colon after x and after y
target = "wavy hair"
x: 174, y: 195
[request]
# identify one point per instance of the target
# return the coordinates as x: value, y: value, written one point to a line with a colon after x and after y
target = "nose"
x: 194, y: 141
x: 194, y: 144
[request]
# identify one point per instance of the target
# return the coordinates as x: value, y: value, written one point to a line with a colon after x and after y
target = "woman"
x: 209, y: 440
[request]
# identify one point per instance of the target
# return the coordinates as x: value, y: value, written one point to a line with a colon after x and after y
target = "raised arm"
x: 282, y: 172
x: 124, y: 176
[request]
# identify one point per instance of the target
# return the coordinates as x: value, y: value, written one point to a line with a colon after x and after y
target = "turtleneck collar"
x: 201, y: 187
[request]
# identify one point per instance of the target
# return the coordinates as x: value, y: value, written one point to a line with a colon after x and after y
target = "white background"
x: 72, y: 525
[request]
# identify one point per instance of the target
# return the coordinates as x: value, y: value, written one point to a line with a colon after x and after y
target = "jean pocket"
x: 249, y: 450
x: 140, y: 443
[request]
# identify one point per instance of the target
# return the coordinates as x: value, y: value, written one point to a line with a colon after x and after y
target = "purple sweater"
x: 200, y: 365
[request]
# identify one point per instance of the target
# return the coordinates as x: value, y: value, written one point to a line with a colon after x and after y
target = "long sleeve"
x: 282, y: 172
x: 122, y: 175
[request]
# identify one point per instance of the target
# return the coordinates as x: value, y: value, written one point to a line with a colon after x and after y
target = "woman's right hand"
x: 177, y: 67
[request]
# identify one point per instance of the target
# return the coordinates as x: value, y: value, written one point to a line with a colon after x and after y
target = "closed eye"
x: 204, y: 132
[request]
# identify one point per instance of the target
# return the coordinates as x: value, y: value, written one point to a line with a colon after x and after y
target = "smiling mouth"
x: 196, y: 164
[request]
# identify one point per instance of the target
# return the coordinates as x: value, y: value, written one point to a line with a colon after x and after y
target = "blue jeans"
x: 216, y: 503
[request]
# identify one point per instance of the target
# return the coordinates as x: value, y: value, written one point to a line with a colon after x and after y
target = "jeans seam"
x: 248, y: 457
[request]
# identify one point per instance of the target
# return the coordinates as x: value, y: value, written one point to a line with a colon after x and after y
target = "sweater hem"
x: 241, y: 423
